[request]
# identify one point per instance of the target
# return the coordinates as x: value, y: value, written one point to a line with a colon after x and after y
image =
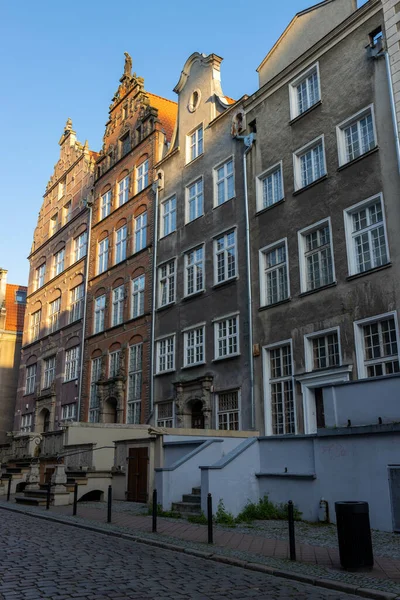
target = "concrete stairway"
x: 190, y: 505
x: 38, y: 497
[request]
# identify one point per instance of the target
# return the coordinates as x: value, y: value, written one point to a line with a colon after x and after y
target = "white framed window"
x: 105, y: 205
x: 40, y: 276
x: 67, y: 212
x: 376, y: 343
x: 30, y: 381
x: 117, y: 311
x: 309, y: 163
x: 304, y: 91
x: 194, y: 346
x: 194, y: 144
x: 49, y: 371
x: 366, y: 236
x: 194, y: 271
x: 322, y: 349
x: 135, y: 383
x: 356, y: 135
x: 99, y: 310
x: 168, y: 216
x: 279, y: 389
x: 71, y: 363
x: 228, y: 410
x: 166, y: 283
x: 120, y: 244
x: 80, y: 246
x: 274, y: 273
x: 269, y: 187
x: 123, y: 189
x: 317, y: 267
x: 224, y: 182
x: 226, y: 337
x: 194, y: 200
x: 142, y: 176
x: 166, y: 354
x: 54, y: 315
x: 114, y: 363
x: 225, y: 257
x: 138, y: 285
x: 35, y: 325
x: 165, y: 414
x: 94, y: 404
x: 140, y: 231
x: 102, y: 256
x: 59, y: 262
x: 76, y: 307
x: 68, y: 412
x: 26, y: 423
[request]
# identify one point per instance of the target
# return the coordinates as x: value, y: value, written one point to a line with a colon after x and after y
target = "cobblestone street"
x: 41, y: 560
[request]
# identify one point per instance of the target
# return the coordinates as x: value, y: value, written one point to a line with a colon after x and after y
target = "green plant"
x: 200, y: 519
x: 164, y: 513
x: 223, y: 517
x: 264, y: 510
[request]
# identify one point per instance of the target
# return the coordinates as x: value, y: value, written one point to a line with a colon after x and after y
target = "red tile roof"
x: 167, y: 113
x: 15, y: 311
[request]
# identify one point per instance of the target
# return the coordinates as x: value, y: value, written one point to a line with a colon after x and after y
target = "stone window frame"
x: 359, y: 341
x: 195, y: 265
x: 168, y: 276
x: 198, y: 145
x: 30, y: 379
x: 99, y: 310
x: 138, y: 291
x: 293, y: 95
x: 224, y: 234
x: 263, y: 270
x: 340, y: 133
x: 225, y: 319
x: 224, y: 180
x: 168, y: 215
x: 159, y: 340
x: 309, y: 351
x: 270, y: 172
x: 186, y: 332
x: 297, y: 156
x: 301, y: 237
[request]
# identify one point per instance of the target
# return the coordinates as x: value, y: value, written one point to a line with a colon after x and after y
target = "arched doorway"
x: 197, y: 415
x: 44, y: 421
x: 110, y: 414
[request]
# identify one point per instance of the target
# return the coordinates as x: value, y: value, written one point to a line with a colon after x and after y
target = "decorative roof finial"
x: 128, y: 65
x: 68, y: 125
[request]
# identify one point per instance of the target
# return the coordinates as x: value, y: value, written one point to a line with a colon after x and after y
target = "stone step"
x: 33, y: 501
x: 193, y: 498
x: 186, y: 508
x: 35, y: 493
x: 196, y: 491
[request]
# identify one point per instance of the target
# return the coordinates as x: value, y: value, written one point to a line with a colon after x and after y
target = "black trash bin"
x: 354, y: 535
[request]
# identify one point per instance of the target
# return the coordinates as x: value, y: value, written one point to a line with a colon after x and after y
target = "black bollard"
x: 292, y: 543
x: 9, y: 490
x: 154, y: 528
x: 109, y: 504
x: 210, y: 519
x: 75, y: 499
x: 48, y: 495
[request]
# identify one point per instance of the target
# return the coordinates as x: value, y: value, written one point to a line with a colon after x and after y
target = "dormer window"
x: 194, y: 144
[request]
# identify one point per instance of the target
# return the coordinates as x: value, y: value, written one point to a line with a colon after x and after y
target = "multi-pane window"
x: 194, y: 271
x: 71, y: 363
x: 49, y: 371
x: 102, y: 261
x: 135, y: 383
x: 307, y: 92
x: 228, y: 410
x: 120, y: 243
x: 94, y: 404
x: 125, y: 142
x: 142, y: 176
x: 81, y: 245
x: 325, y: 351
x: 35, y: 325
x: 123, y: 190
x: 26, y: 423
x: 195, y: 144
x: 274, y: 265
x: 224, y: 182
x: 99, y: 309
x: 380, y: 348
x: 30, y: 379
x: 270, y: 188
x: 20, y: 297
x: 166, y: 283
x: 309, y: 164
x: 316, y: 257
x: 76, y: 308
x: 356, y: 136
x: 165, y: 414
x: 114, y: 364
x: 68, y: 411
x: 166, y: 354
x: 194, y: 346
x: 54, y: 315
x: 39, y: 276
x: 227, y: 337
x: 281, y: 390
x: 225, y: 257
x: 138, y: 296
x: 140, y: 231
x: 194, y: 199
x: 117, y: 312
x: 105, y: 205
x: 366, y: 236
x: 59, y: 262
x: 168, y: 209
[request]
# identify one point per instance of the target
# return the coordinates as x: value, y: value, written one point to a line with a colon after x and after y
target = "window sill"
x: 165, y: 306
x: 267, y: 306
x: 322, y: 287
x: 375, y: 270
x: 69, y: 380
x: 263, y: 210
x: 162, y: 237
x: 306, y: 112
x: 224, y: 202
x: 165, y: 372
x: 194, y: 160
x: 199, y: 364
x: 356, y: 160
x: 310, y: 185
x: 230, y: 356
x: 224, y: 283
x: 195, y: 219
x: 194, y: 295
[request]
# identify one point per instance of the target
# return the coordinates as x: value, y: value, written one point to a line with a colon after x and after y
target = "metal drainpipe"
x: 84, y: 309
x: 153, y: 300
x: 393, y: 107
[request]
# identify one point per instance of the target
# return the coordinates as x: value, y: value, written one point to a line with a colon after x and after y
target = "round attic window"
x: 194, y: 100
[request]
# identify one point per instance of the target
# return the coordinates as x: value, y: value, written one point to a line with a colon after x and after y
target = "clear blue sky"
x: 60, y: 60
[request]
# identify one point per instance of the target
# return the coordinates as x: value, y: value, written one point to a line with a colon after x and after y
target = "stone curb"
x: 330, y: 584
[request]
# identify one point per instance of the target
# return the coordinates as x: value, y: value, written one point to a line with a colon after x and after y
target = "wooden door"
x: 137, y: 475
